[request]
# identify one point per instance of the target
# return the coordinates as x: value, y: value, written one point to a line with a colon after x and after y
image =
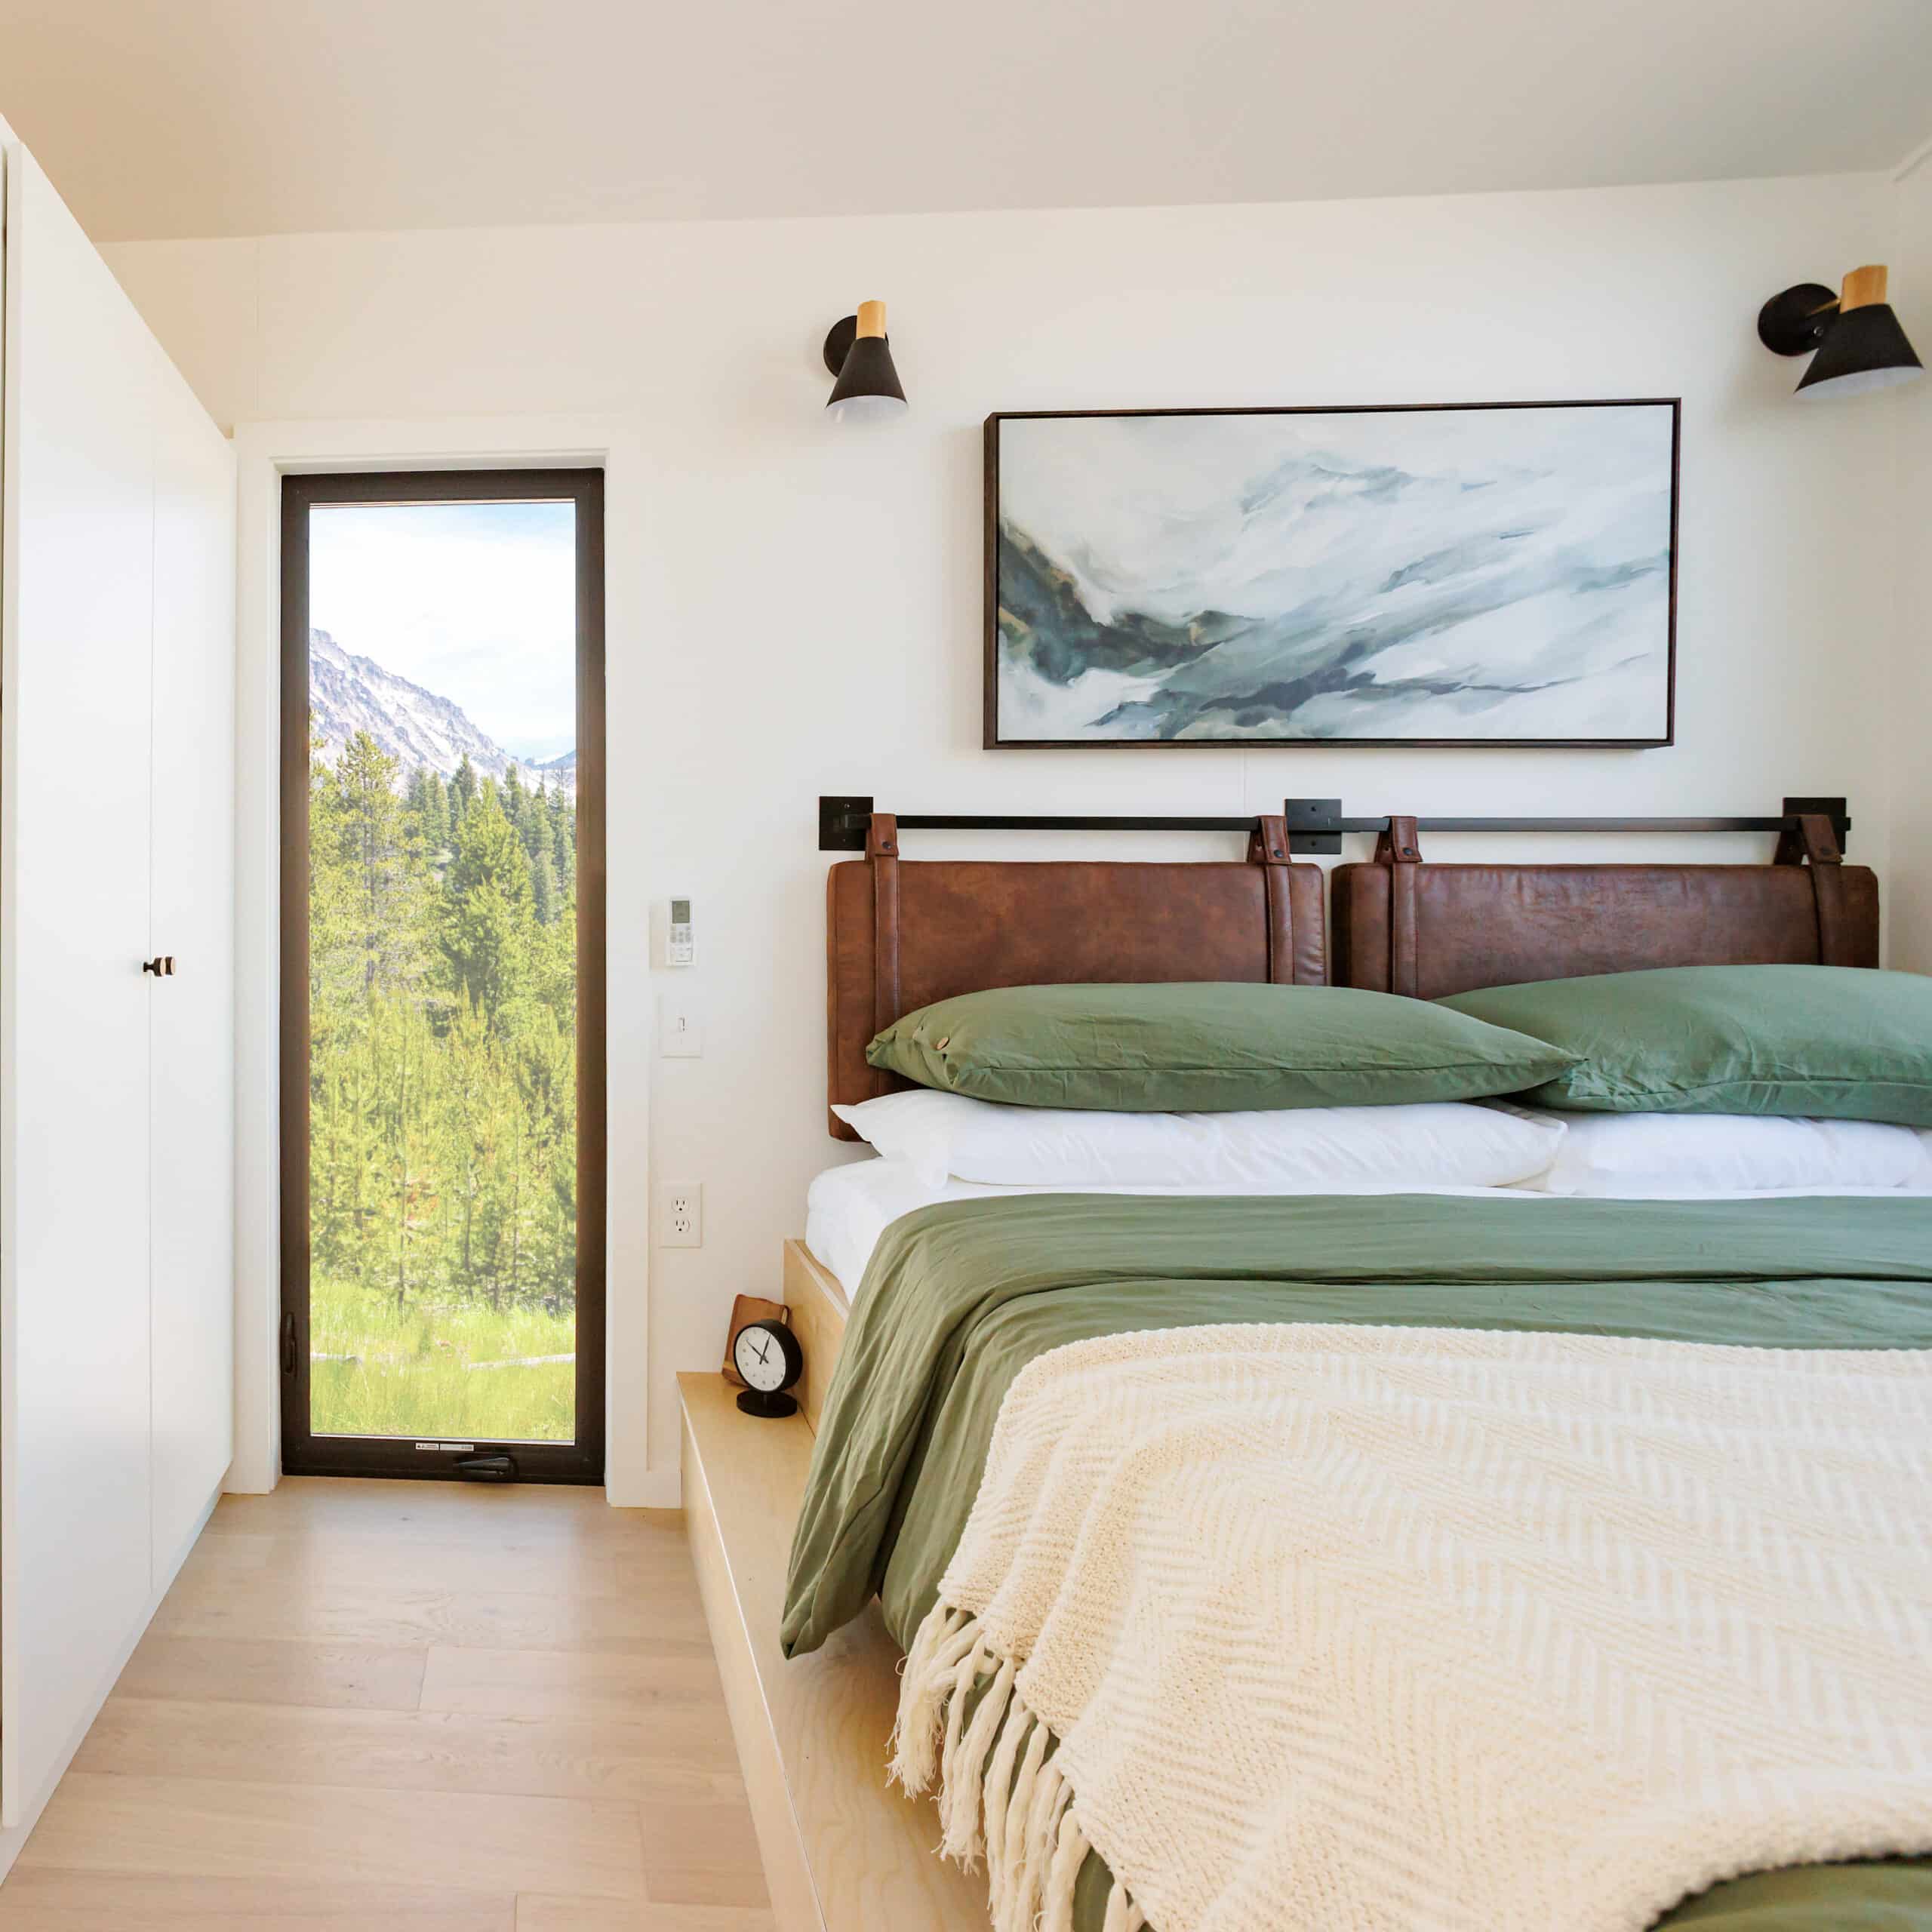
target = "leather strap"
x: 882, y: 855
x: 1267, y: 847
x: 1398, y: 849
x: 1814, y: 839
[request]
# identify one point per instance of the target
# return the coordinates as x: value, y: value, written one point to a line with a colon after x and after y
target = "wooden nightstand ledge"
x: 843, y: 1851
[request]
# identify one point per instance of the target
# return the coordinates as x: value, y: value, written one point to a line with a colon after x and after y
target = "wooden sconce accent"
x: 1863, y: 288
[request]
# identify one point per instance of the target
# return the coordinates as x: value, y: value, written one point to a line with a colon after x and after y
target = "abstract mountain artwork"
x: 1501, y: 573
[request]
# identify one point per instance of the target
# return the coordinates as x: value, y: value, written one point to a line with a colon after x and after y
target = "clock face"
x: 759, y: 1357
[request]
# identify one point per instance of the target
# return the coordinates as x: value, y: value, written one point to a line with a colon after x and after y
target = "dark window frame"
x: 304, y: 1453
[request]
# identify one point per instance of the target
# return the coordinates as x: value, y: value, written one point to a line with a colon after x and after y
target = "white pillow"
x: 1608, y: 1154
x: 1299, y: 1149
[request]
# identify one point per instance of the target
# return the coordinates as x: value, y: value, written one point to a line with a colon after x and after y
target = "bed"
x: 960, y: 1295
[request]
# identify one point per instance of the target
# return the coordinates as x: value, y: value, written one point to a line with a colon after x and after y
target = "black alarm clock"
x: 769, y: 1360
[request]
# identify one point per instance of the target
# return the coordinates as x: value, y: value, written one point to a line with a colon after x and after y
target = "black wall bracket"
x: 842, y: 822
x: 1315, y: 825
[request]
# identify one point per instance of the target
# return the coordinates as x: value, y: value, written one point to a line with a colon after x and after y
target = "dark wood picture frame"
x: 992, y: 741
x: 304, y: 1453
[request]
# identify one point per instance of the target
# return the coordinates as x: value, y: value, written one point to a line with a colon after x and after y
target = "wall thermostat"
x: 680, y: 945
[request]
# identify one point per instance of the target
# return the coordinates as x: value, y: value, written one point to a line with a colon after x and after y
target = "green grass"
x: 412, y: 1374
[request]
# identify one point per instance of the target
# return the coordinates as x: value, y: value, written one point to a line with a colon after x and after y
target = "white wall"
x: 802, y: 609
x: 1909, y: 704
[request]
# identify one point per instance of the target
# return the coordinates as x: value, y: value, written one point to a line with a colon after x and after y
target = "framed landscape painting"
x: 1500, y: 573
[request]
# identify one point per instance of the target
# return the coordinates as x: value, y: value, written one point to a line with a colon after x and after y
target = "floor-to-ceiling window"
x: 442, y: 991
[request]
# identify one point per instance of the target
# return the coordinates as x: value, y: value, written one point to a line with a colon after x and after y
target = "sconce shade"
x: 1859, y: 344
x: 868, y: 388
x: 1864, y: 349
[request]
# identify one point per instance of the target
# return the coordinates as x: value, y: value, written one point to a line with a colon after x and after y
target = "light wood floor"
x: 410, y: 1707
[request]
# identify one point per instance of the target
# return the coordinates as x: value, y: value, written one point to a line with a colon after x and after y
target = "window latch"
x: 487, y: 1468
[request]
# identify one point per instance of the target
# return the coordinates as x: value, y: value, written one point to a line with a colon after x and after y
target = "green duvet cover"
x: 959, y: 1298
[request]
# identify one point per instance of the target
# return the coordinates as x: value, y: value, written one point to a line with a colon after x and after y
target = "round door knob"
x: 153, y: 965
x: 162, y: 965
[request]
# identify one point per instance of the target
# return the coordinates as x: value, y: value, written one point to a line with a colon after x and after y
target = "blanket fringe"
x: 939, y: 1644
x: 1000, y: 1774
x: 1070, y: 1851
x: 1123, y: 1915
x: 1001, y: 1793
x: 1004, y: 1899
x: 959, y: 1694
x: 963, y: 1779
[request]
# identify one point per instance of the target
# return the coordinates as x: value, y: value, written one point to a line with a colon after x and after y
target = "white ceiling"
x: 178, y: 118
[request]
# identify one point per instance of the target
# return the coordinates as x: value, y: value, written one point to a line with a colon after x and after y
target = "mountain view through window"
x: 442, y: 971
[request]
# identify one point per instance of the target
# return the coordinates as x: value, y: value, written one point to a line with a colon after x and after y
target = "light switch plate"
x: 679, y: 1036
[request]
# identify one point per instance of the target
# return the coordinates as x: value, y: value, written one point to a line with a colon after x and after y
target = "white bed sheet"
x: 848, y: 1207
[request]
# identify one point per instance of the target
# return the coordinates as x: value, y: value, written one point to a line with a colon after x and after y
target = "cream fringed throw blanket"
x: 1329, y: 1627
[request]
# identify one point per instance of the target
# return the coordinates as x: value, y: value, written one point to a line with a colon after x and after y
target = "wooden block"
x: 819, y: 1312
x: 787, y: 1872
x: 1862, y: 287
x: 844, y: 1851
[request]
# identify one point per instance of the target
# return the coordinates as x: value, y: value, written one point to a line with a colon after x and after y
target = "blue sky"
x: 474, y: 601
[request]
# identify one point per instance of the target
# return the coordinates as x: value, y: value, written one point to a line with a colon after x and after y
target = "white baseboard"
x: 658, y: 1489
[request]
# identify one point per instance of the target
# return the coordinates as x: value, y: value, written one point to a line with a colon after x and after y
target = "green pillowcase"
x: 1206, y: 1047
x: 1836, y: 1042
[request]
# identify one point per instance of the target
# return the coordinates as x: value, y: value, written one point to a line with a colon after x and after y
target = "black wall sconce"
x: 867, y: 390
x: 1859, y: 344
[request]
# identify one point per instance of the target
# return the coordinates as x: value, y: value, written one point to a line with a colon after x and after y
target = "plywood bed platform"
x: 842, y: 1852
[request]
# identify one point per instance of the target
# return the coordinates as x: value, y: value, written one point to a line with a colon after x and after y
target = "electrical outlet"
x: 680, y: 1213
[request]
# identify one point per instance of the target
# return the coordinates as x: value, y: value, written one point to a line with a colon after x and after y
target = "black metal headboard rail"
x: 1315, y: 825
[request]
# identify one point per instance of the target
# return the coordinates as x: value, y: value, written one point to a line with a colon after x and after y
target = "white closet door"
x: 75, y: 1566
x: 193, y: 1014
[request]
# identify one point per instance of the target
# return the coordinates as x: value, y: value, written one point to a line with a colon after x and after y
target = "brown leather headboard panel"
x: 1404, y: 925
x: 901, y: 935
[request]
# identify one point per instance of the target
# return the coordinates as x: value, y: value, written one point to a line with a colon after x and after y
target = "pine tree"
x: 372, y: 828
x: 563, y: 840
x: 462, y: 790
x: 535, y: 826
x: 487, y: 911
x: 543, y: 887
x: 416, y: 814
x: 436, y: 815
